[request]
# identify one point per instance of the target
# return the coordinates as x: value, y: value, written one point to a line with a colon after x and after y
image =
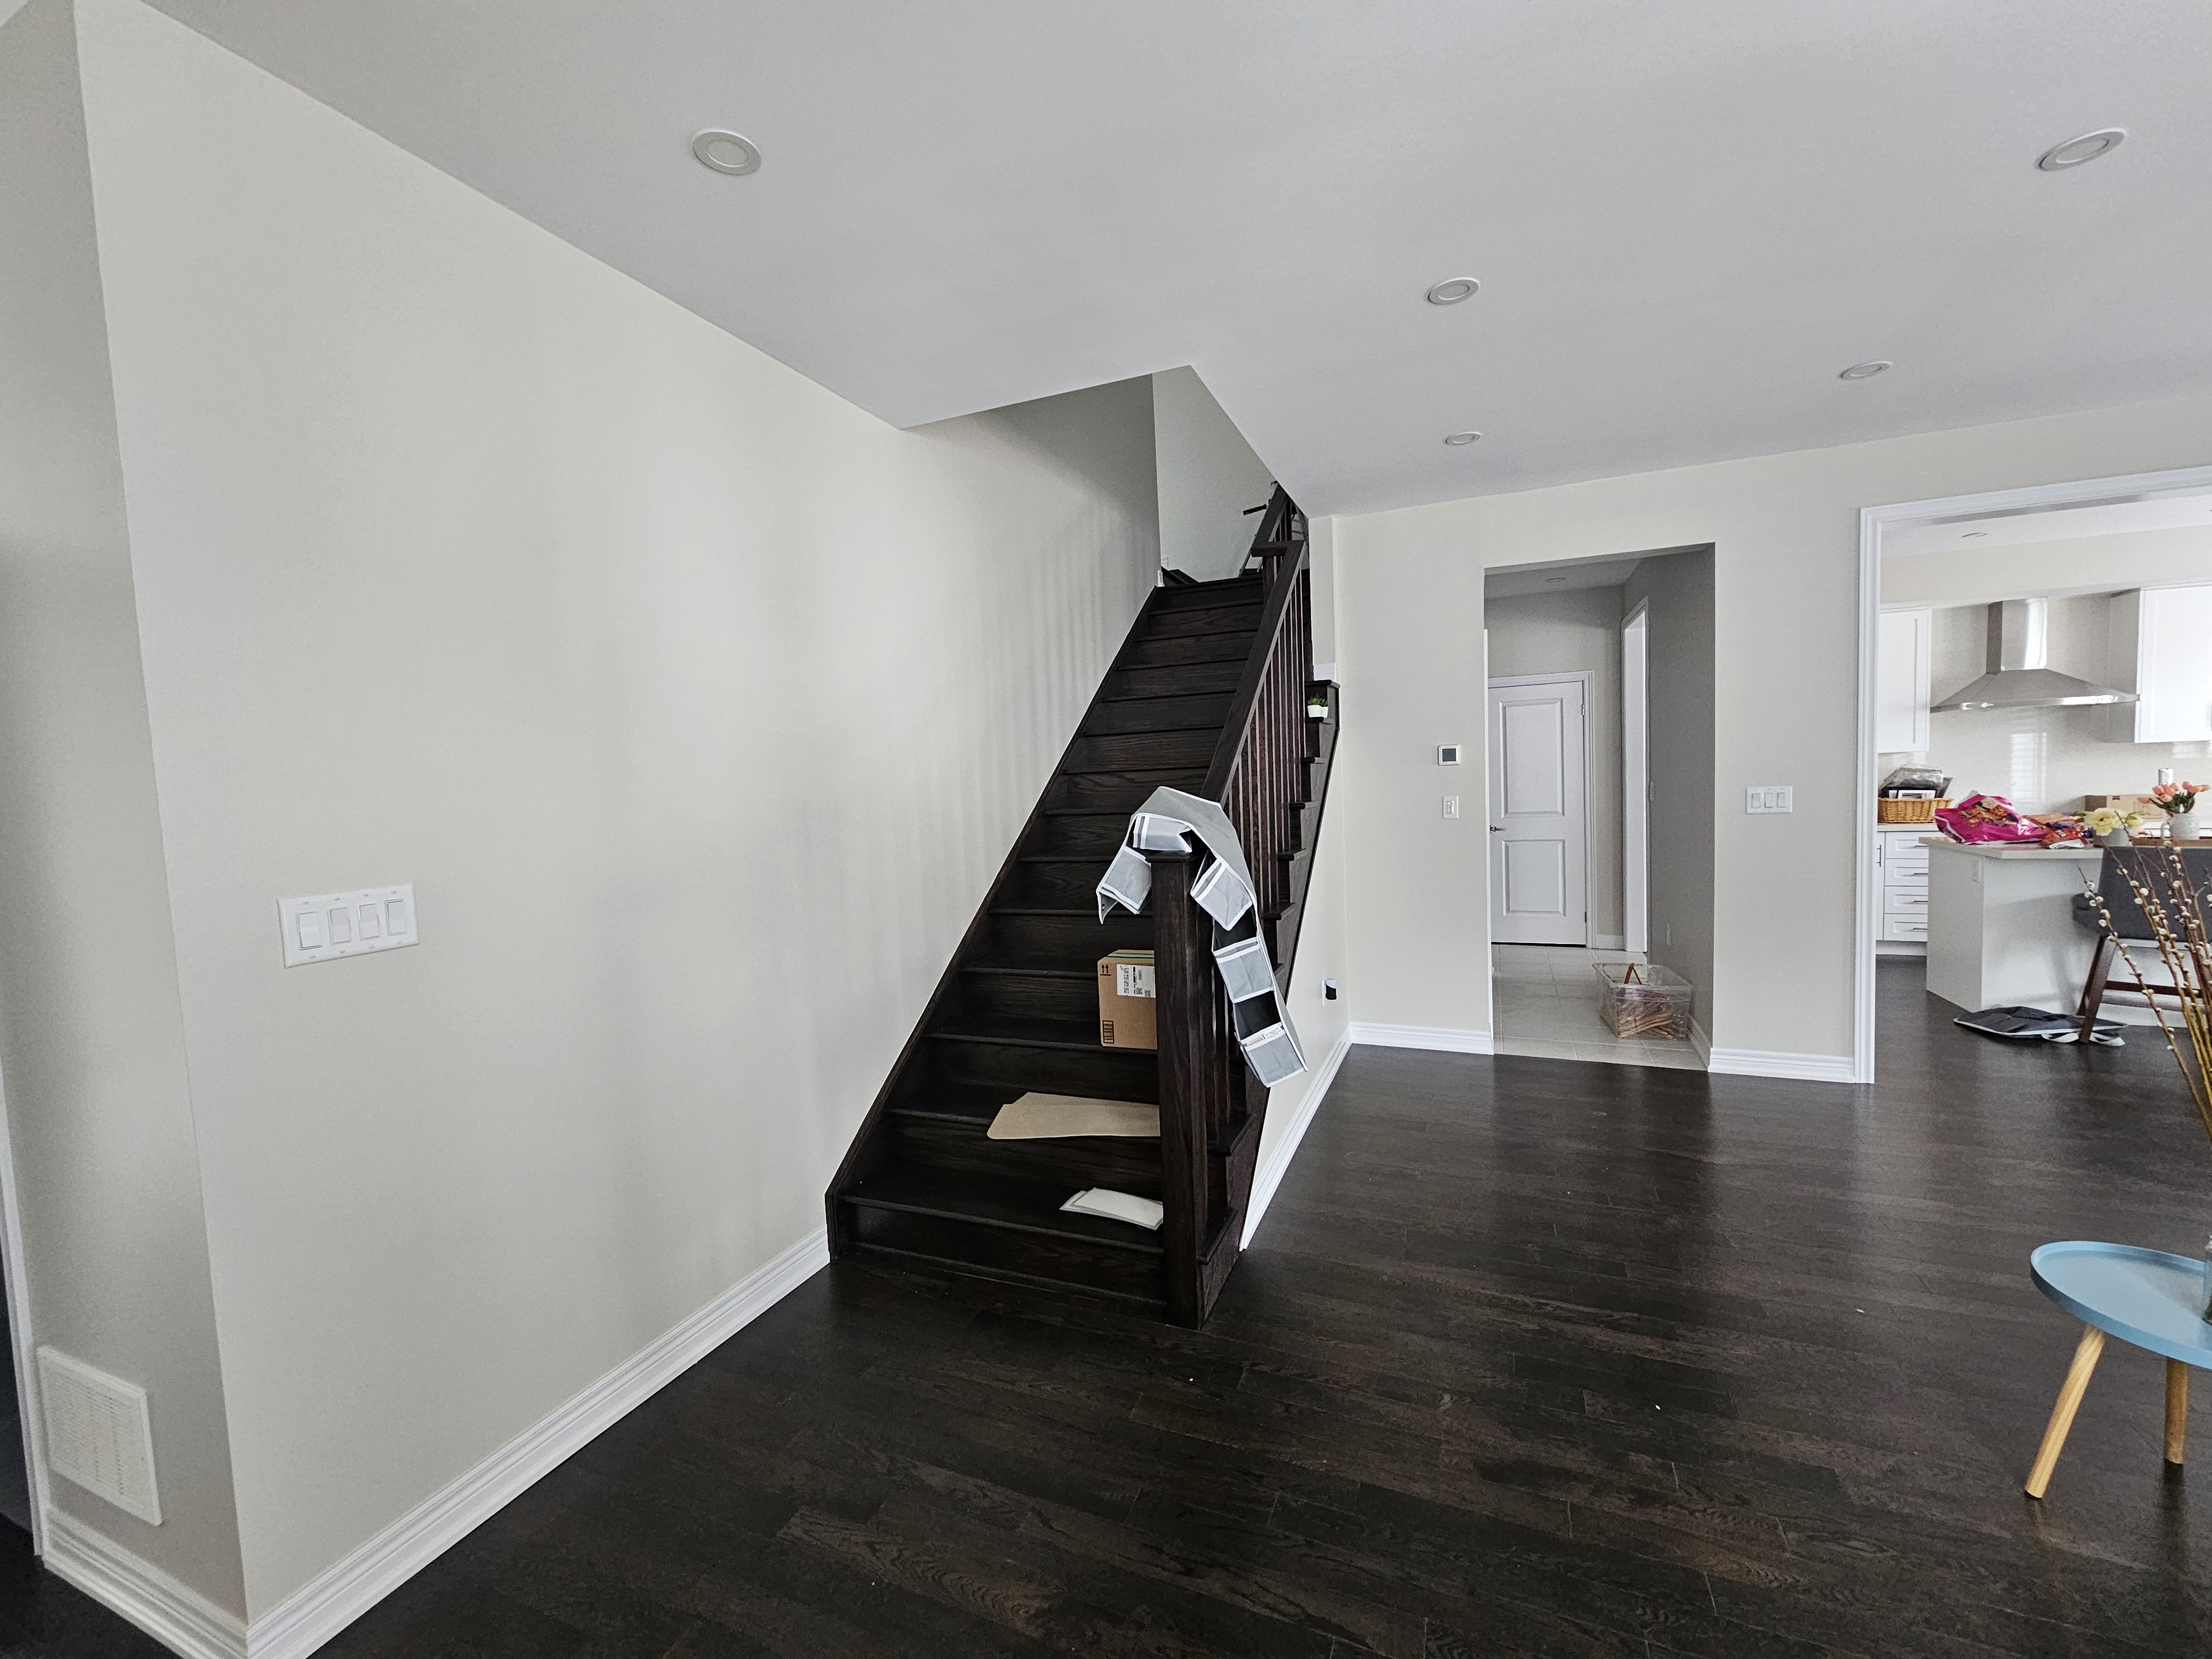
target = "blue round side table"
x: 2147, y: 1298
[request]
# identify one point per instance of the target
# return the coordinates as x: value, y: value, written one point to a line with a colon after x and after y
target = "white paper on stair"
x: 1105, y: 1202
x: 1223, y: 889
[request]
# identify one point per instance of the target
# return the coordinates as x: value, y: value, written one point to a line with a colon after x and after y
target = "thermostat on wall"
x: 1448, y: 754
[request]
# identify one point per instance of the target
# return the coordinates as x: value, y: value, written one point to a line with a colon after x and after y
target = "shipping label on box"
x: 1128, y: 1001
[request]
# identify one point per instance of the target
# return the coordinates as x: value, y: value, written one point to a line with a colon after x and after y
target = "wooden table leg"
x: 2062, y: 1415
x: 2177, y: 1409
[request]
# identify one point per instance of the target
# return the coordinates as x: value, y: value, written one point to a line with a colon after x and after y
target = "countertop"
x: 1998, y: 849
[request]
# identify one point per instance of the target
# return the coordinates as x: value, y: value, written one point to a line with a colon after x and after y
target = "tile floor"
x: 1544, y: 1002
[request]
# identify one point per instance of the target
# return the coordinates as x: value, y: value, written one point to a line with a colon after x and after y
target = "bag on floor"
x: 2027, y: 1024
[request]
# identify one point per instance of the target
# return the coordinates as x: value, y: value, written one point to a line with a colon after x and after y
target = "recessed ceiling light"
x: 2074, y: 151
x: 1457, y: 439
x: 726, y: 152
x: 1453, y: 290
x: 1865, y: 371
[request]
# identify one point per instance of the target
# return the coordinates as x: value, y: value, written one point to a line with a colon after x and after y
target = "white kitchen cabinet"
x: 2161, y: 650
x: 1900, y: 854
x: 1903, y: 657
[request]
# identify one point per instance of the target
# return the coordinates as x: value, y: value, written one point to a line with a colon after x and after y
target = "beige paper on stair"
x: 1048, y: 1117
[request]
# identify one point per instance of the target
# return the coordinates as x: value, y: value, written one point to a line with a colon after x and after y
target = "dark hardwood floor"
x: 1531, y: 1356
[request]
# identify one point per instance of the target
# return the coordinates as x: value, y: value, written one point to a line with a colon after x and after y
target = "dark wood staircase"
x: 1018, y: 1009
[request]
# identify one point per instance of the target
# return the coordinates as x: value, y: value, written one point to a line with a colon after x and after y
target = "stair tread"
x: 970, y: 1103
x: 1054, y: 966
x: 1025, y: 1033
x: 1003, y: 1202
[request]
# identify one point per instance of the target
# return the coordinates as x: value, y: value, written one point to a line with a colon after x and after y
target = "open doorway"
x: 2009, y: 647
x: 1601, y: 808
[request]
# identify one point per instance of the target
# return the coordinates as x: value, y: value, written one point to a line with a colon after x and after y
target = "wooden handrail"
x: 1242, y: 707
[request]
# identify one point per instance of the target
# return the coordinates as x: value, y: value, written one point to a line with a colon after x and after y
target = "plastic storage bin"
x: 1643, y: 1000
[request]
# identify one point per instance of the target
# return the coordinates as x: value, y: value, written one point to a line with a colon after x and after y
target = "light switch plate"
x: 1451, y: 806
x: 354, y: 924
x: 1770, y: 798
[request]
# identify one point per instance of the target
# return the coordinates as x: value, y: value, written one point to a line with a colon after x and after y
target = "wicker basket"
x: 1643, y: 1000
x: 1887, y: 811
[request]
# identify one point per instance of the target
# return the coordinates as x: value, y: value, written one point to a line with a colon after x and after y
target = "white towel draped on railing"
x: 1223, y: 889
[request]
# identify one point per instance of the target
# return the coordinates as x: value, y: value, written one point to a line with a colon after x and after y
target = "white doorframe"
x: 1589, y: 679
x: 1872, y: 522
x: 1636, y: 779
x: 21, y: 1337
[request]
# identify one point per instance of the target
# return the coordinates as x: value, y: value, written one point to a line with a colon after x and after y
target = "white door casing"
x: 1539, y: 820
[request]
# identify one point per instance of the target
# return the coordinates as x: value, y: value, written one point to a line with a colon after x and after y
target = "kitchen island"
x: 2001, y: 928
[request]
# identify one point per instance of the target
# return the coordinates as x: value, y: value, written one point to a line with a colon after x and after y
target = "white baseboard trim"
x: 1270, y: 1175
x: 1422, y: 1036
x: 1608, y: 941
x: 1760, y: 1062
x: 320, y: 1609
x: 180, y: 1619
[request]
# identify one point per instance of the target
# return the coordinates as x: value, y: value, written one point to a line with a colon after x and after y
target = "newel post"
x: 1183, y: 968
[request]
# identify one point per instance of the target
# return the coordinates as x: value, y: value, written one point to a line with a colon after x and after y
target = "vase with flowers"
x: 2113, y: 827
x: 2178, y: 802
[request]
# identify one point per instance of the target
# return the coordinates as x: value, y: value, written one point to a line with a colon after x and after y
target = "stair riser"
x: 1069, y: 941
x: 1147, y: 752
x: 1243, y: 619
x: 1087, y: 836
x: 1187, y: 648
x: 1158, y: 715
x: 996, y: 1250
x: 1073, y: 882
x: 1126, y: 1165
x: 1208, y: 596
x: 1115, y: 791
x: 1178, y: 679
x: 1029, y: 996
x: 1102, y: 1074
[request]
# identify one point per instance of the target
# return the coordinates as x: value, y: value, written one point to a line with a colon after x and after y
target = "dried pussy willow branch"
x: 2185, y: 948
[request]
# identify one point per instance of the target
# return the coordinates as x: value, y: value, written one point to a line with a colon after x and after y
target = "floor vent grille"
x: 99, y: 1433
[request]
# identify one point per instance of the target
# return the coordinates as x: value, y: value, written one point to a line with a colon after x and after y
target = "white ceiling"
x: 1559, y: 576
x: 1975, y: 532
x: 1687, y: 217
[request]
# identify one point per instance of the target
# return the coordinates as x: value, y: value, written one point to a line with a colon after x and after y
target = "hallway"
x: 1531, y: 1356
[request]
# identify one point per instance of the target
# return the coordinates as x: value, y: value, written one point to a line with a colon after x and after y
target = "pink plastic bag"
x: 1986, y: 818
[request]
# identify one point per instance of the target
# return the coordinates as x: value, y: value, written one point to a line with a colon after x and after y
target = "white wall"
x: 1576, y: 628
x: 699, y: 706
x: 1208, y: 476
x: 99, y: 1108
x: 1784, y: 530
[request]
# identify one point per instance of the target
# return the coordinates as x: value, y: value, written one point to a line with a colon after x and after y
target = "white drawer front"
x: 1904, y: 927
x: 1906, y: 900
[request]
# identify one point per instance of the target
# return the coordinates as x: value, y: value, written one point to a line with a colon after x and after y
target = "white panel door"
x: 1539, y: 812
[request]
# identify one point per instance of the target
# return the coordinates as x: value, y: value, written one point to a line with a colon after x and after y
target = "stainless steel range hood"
x: 2018, y: 647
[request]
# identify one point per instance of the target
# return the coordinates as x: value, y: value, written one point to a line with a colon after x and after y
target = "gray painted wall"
x: 1679, y: 588
x: 1208, y: 476
x: 91, y: 1041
